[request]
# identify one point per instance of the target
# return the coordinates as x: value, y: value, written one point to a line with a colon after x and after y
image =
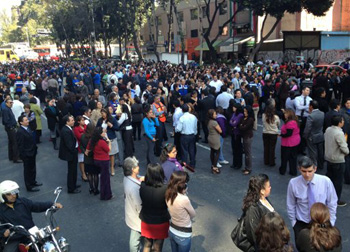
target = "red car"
x: 329, y: 68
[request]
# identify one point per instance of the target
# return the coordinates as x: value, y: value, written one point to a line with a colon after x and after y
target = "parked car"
x: 116, y: 57
x: 329, y: 68
x: 30, y: 55
x: 342, y: 63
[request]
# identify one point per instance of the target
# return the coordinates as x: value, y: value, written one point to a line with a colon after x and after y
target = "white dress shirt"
x: 223, y: 100
x: 299, y: 105
x: 176, y: 116
x: 187, y: 124
x: 217, y: 84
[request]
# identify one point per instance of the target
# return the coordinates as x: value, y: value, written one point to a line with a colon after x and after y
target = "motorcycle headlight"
x: 64, y: 245
x: 49, y: 247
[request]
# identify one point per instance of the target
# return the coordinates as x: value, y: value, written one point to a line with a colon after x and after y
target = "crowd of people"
x: 97, y: 111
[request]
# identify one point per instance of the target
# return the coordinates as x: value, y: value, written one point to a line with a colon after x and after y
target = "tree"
x: 277, y: 9
x: 214, y: 6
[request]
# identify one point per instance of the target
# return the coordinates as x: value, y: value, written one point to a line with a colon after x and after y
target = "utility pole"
x: 93, y: 34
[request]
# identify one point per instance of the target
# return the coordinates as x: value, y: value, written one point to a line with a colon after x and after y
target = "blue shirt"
x: 297, y: 200
x: 149, y: 127
x: 97, y: 79
x: 187, y: 124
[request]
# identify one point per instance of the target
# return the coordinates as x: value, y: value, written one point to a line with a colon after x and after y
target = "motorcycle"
x: 44, y: 239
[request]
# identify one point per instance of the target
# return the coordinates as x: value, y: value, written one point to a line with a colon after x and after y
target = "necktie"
x: 302, y: 112
x: 310, y: 195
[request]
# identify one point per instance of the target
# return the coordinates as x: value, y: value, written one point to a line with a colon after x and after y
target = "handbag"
x: 239, y: 235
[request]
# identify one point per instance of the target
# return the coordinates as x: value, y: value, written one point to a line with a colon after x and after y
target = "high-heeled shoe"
x: 91, y: 191
x: 85, y: 180
x: 96, y: 192
x: 215, y: 170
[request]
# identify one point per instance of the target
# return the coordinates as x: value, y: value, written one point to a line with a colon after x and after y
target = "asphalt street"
x: 93, y: 225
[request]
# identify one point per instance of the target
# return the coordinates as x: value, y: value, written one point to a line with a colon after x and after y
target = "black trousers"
x: 177, y: 143
x: 299, y: 225
x: 270, y: 141
x: 237, y: 151
x: 289, y: 155
x: 336, y: 173
x: 205, y: 130
x: 13, y: 153
x: 128, y: 143
x: 302, y: 145
x: 316, y: 153
x: 136, y: 126
x: 347, y: 170
x: 72, y: 174
x: 29, y: 171
x: 161, y: 136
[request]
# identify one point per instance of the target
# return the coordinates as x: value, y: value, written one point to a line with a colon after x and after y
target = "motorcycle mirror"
x: 58, y: 190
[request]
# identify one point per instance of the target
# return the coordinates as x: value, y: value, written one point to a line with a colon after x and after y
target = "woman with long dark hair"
x: 169, y: 161
x: 181, y: 212
x: 154, y: 214
x: 150, y: 122
x: 109, y: 123
x: 256, y: 204
x: 236, y: 141
x: 214, y: 140
x: 321, y: 236
x: 272, y: 234
x: 91, y: 169
x: 271, y: 123
x: 126, y: 130
x: 100, y: 145
x: 246, y: 128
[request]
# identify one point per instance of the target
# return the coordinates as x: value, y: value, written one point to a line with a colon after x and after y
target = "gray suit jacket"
x: 314, y: 127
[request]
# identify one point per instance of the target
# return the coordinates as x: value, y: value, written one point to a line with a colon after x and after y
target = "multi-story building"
x: 193, y: 19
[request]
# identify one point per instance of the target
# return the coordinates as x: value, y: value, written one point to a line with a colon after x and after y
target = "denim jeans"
x: 179, y: 244
x: 135, y: 241
x: 221, y: 156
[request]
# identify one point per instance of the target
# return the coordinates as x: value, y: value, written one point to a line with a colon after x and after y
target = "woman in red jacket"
x: 100, y: 145
x: 79, y: 130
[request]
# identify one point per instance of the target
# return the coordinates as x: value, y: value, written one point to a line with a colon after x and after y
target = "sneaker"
x: 218, y: 165
x: 341, y: 203
x: 224, y: 162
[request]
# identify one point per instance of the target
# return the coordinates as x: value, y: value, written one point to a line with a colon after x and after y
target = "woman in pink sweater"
x: 181, y: 212
x: 290, y: 134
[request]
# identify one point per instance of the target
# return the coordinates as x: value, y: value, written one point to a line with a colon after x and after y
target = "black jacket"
x: 252, y: 219
x: 67, y: 151
x: 328, y: 117
x: 154, y: 209
x: 8, y: 118
x: 21, y: 214
x: 25, y: 143
x: 136, y: 112
x: 204, y: 105
x: 304, y: 243
x: 51, y: 115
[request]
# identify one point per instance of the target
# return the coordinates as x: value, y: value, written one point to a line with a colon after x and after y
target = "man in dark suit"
x: 208, y: 102
x: 10, y: 124
x: 313, y: 133
x: 68, y: 151
x: 27, y: 151
x: 334, y: 111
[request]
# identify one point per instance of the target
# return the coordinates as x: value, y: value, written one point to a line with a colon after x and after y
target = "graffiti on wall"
x: 316, y: 56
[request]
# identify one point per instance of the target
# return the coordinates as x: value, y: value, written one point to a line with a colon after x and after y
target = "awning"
x: 231, y: 44
x: 204, y: 46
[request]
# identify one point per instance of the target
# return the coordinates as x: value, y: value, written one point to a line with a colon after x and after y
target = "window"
x: 2, y: 52
x: 181, y: 16
x: 194, y: 33
x: 194, y: 14
x: 159, y: 20
x: 223, y: 8
x: 204, y: 11
x: 224, y: 31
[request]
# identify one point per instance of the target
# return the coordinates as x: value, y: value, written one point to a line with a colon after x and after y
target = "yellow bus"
x: 7, y: 55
